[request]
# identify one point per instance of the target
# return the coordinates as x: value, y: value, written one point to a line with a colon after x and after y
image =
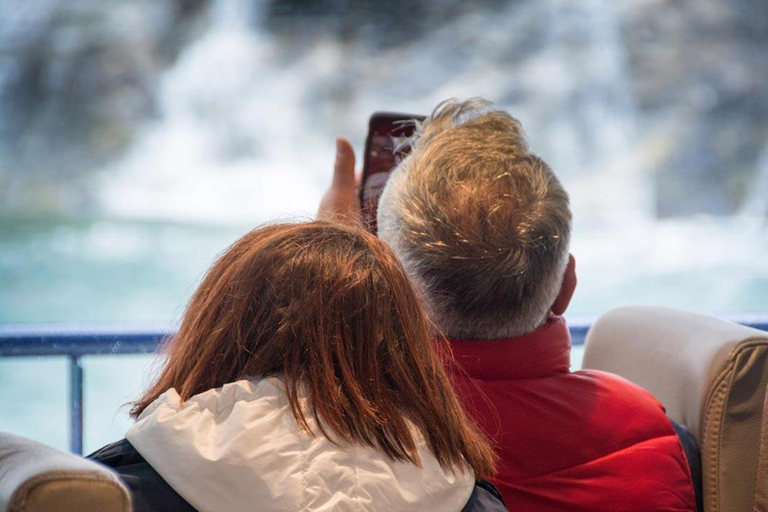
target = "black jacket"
x: 151, y: 493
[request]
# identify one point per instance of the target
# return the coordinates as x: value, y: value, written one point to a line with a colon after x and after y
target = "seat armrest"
x: 35, y: 478
x: 677, y: 356
x: 711, y: 376
x: 761, y: 481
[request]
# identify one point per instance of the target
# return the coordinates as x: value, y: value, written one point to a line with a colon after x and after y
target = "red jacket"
x: 584, y: 441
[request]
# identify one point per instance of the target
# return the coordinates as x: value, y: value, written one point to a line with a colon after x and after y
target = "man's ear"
x: 567, y: 288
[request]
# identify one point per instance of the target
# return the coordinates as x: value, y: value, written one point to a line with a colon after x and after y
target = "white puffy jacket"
x: 239, y: 448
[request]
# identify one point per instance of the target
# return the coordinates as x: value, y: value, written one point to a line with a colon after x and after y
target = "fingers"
x: 344, y: 168
x: 340, y: 202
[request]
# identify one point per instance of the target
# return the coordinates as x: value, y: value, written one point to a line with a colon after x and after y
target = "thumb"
x: 344, y: 168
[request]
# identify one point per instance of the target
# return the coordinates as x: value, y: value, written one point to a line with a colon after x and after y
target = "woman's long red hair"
x: 329, y: 309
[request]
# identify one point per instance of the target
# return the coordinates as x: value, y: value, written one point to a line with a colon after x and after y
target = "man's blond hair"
x: 481, y: 225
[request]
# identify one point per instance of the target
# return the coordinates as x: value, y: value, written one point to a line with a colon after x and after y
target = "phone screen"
x: 388, y: 143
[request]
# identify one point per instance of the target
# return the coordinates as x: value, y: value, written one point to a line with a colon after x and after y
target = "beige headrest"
x: 711, y: 376
x: 37, y: 478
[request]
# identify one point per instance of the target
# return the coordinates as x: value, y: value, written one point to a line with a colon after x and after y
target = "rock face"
x: 78, y: 80
x: 675, y: 90
x: 703, y: 63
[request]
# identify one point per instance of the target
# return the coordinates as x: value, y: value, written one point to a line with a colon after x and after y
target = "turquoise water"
x: 91, y: 271
x: 102, y: 270
x: 106, y: 270
x: 34, y: 394
x: 258, y: 142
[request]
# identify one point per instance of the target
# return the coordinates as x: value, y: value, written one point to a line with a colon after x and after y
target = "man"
x: 482, y: 227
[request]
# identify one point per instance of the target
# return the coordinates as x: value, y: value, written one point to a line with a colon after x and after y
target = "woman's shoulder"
x: 149, y: 491
x: 485, y: 497
x: 119, y: 453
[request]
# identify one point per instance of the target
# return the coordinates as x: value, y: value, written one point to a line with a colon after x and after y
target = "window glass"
x: 138, y: 138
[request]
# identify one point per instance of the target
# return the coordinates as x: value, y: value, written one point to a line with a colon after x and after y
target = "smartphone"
x: 387, y: 144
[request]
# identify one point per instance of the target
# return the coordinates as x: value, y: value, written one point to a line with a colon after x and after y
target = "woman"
x: 303, y: 377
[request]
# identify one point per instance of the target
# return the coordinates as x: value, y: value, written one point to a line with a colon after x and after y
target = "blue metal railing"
x: 75, y: 341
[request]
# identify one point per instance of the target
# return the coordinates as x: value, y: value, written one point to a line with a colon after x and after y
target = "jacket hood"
x: 239, y: 447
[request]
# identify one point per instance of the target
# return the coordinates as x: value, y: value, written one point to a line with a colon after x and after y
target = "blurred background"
x: 138, y: 138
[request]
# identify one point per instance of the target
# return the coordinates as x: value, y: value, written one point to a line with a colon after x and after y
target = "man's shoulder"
x: 566, y: 392
x: 616, y: 384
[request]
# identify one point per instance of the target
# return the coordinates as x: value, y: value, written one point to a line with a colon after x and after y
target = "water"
x: 137, y: 272
x: 34, y: 397
x: 243, y: 134
x: 102, y: 270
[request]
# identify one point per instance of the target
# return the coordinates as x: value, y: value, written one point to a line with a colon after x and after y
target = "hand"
x: 340, y: 202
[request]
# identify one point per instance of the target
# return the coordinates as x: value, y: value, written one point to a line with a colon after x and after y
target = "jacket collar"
x: 238, y: 447
x: 543, y: 353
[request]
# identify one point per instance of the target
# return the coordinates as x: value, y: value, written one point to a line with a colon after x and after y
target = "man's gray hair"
x: 481, y: 225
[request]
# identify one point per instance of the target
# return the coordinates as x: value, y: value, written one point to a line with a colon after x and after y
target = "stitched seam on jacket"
x: 304, y: 471
x: 357, y: 497
x: 608, y: 454
x: 560, y: 470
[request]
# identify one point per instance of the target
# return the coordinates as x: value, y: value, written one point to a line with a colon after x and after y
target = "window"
x: 139, y: 138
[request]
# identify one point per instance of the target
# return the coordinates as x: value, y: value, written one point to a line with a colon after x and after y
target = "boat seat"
x: 711, y: 375
x: 38, y: 478
x: 761, y: 482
